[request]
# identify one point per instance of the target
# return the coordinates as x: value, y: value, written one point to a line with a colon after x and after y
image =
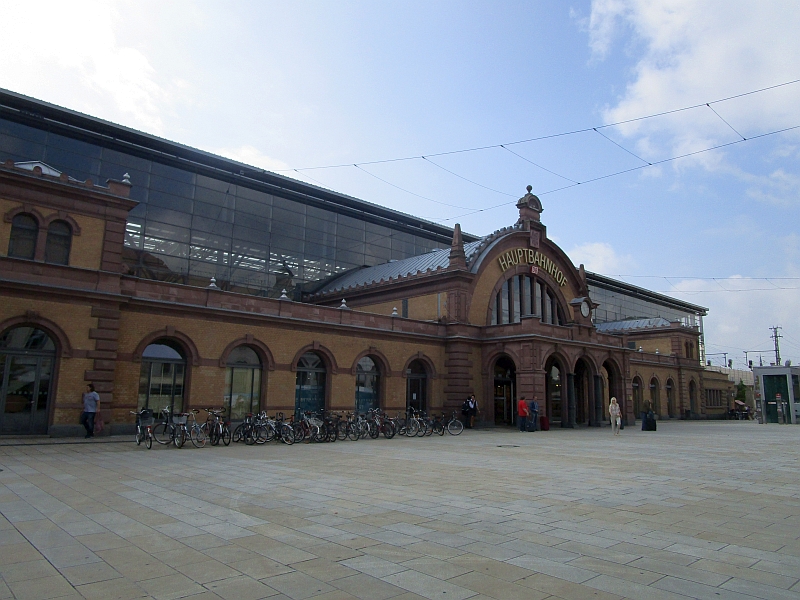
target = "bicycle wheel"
x: 374, y: 431
x: 160, y: 432
x: 214, y: 436
x: 428, y: 428
x: 238, y: 433
x: 299, y: 432
x: 197, y: 436
x: 226, y: 435
x: 139, y: 435
x: 260, y: 434
x: 341, y: 430
x: 389, y: 430
x: 438, y: 428
x: 148, y: 440
x: 412, y: 427
x: 455, y: 427
x: 352, y: 432
x: 179, y: 437
x: 287, y: 434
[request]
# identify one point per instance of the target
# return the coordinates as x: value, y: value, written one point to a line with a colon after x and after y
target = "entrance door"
x: 416, y: 386
x: 504, y: 392
x: 26, y: 359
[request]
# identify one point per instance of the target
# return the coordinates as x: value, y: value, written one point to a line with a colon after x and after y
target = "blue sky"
x: 292, y: 85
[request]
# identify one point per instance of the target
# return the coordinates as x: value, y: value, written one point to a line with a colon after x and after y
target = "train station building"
x: 171, y: 277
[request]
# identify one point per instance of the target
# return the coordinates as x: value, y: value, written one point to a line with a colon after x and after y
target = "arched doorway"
x: 655, y: 396
x: 612, y: 386
x: 672, y: 410
x: 309, y: 391
x: 584, y: 396
x: 417, y: 386
x: 692, y: 400
x: 505, y: 386
x: 636, y: 386
x: 242, y: 383
x: 368, y: 388
x: 27, y: 359
x: 555, y: 378
x: 161, y: 378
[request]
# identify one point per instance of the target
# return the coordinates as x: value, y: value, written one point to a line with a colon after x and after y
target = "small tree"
x: 741, y: 391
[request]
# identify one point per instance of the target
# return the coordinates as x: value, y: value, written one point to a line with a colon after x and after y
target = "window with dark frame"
x: 22, y: 242
x: 58, y: 244
x: 525, y: 296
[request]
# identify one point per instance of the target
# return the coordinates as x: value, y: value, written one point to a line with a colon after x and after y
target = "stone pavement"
x: 696, y: 509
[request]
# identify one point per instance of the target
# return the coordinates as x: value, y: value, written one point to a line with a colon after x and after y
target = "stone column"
x: 598, y: 401
x: 568, y: 416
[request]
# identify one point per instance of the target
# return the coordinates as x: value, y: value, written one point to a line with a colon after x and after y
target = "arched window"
x: 654, y: 395
x: 637, y: 396
x: 669, y: 388
x: 59, y: 241
x: 309, y: 394
x: 242, y: 383
x: 526, y: 296
x: 24, y: 231
x: 417, y: 386
x: 368, y: 379
x: 161, y: 377
x: 27, y: 357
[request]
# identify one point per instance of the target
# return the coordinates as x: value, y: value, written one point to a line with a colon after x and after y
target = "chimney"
x: 458, y: 259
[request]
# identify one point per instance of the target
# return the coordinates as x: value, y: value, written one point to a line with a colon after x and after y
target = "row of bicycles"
x: 309, y: 426
x: 175, y: 429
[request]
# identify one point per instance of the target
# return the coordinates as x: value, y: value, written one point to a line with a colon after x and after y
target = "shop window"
x: 242, y: 383
x: 59, y: 242
x: 161, y: 377
x: 367, y: 385
x: 310, y: 384
x: 24, y: 231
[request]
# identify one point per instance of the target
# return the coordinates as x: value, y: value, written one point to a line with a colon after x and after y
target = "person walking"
x: 473, y: 411
x: 91, y: 404
x: 523, y: 412
x: 615, y: 414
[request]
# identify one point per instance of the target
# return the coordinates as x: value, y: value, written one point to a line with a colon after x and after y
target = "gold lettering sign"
x: 517, y: 256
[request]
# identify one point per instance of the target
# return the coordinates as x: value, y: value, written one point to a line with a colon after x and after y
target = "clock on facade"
x: 585, y: 308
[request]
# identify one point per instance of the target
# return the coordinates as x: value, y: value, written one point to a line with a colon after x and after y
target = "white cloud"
x: 696, y: 52
x: 741, y: 311
x: 59, y: 51
x: 600, y: 257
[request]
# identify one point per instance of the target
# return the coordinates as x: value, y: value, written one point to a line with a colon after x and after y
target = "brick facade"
x: 101, y: 321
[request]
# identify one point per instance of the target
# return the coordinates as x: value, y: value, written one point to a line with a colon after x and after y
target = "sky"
x: 447, y: 110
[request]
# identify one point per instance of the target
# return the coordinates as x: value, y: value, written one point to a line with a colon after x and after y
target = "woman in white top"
x: 616, y: 416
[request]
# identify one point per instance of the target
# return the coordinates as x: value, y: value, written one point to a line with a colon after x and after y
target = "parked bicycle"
x: 144, y: 427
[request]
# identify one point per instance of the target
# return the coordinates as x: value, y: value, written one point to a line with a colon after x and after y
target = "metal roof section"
x: 632, y: 325
x: 431, y: 261
x: 50, y: 117
x: 614, y: 285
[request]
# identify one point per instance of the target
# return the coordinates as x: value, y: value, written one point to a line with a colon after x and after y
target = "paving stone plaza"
x: 696, y: 509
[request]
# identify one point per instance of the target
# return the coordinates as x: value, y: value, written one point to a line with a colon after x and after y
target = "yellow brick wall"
x: 212, y: 337
x: 86, y: 248
x: 421, y: 308
x: 663, y: 374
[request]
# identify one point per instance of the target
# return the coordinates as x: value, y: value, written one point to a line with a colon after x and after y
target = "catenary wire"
x: 549, y: 136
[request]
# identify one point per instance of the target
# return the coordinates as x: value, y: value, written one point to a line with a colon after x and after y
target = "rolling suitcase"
x: 545, y: 422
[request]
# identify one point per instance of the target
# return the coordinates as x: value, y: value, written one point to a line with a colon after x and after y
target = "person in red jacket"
x: 523, y: 412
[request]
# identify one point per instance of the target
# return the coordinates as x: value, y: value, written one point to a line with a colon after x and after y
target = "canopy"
x: 739, y: 402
